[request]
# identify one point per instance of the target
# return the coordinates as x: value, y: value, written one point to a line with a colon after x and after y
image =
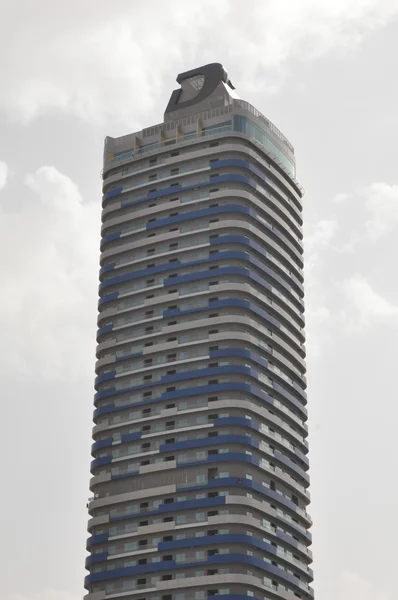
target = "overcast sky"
x: 325, y: 72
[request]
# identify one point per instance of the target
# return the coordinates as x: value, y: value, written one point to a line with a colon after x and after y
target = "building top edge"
x: 202, y: 91
x: 116, y: 144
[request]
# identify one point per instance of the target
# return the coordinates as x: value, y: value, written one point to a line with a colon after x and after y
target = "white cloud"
x: 366, y: 305
x: 382, y: 209
x: 341, y: 197
x: 112, y: 59
x: 47, y: 315
x: 320, y: 235
x: 318, y: 324
x: 317, y: 239
x: 376, y: 212
x: 353, y: 587
x: 3, y: 174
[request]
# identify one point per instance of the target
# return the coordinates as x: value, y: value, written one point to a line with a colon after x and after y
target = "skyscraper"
x: 200, y: 454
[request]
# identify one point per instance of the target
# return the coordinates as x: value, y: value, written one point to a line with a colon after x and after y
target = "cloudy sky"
x: 325, y: 72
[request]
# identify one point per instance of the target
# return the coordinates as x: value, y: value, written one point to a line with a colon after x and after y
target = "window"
x: 212, y: 473
x: 152, y: 177
x: 150, y: 251
x: 143, y: 543
x: 174, y: 170
x: 153, y: 160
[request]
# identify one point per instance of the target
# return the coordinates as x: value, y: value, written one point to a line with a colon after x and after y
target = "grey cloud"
x: 47, y: 594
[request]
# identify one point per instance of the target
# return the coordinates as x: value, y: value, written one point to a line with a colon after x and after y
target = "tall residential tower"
x: 199, y: 472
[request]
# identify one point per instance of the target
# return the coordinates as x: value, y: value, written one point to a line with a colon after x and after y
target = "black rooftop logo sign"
x: 204, y: 79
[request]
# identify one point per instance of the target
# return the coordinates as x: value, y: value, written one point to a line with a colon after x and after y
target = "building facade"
x: 199, y: 471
